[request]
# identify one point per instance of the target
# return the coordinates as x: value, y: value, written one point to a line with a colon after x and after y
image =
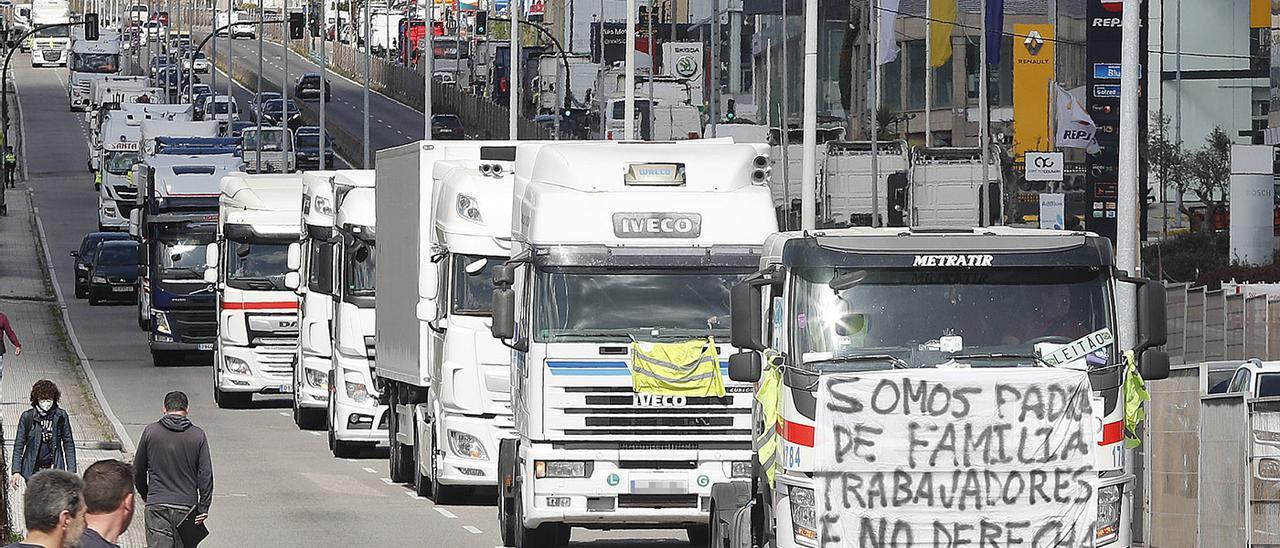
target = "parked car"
x: 275, y: 109
x: 307, y: 142
x: 256, y: 102
x: 1255, y: 377
x: 447, y: 127
x: 82, y: 259
x: 308, y: 87
x: 114, y: 274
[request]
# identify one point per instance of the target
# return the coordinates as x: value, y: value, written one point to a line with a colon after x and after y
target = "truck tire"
x: 401, y: 461
x: 542, y: 536
x: 440, y: 493
x: 305, y: 418
x: 421, y: 483
x: 507, y: 451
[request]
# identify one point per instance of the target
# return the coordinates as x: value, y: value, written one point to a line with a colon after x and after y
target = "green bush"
x: 1186, y: 257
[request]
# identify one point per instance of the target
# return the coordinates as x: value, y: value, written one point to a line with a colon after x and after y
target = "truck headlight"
x: 740, y: 469
x: 467, y: 446
x: 1269, y: 469
x: 317, y: 379
x: 235, y: 365
x: 161, y: 322
x: 98, y: 280
x: 469, y: 208
x: 1108, y: 514
x: 356, y: 388
x: 802, y: 515
x: 561, y: 469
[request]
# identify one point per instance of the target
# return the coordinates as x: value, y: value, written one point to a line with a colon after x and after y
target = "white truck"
x: 270, y: 151
x: 317, y: 290
x: 258, y: 218
x: 340, y: 266
x: 91, y: 60
x: 444, y: 377
x: 1012, y: 336
x: 672, y: 121
x: 237, y: 29
x: 582, y: 78
x: 947, y: 188
x: 617, y: 247
x: 50, y: 46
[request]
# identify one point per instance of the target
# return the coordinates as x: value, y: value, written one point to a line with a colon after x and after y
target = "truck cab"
x: 274, y: 152
x: 617, y: 248
x: 258, y: 229
x: 835, y: 321
x: 91, y: 60
x: 50, y: 46
x: 117, y: 147
x: 316, y: 294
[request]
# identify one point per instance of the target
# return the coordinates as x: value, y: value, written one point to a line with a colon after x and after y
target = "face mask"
x: 45, y: 405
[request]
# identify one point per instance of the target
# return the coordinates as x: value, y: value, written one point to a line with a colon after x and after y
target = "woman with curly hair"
x: 44, y: 439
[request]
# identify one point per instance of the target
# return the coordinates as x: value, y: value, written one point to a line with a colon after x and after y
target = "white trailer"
x: 444, y: 376
x: 947, y: 189
x: 581, y: 78
x: 615, y: 246
x: 258, y: 220
x: 844, y: 187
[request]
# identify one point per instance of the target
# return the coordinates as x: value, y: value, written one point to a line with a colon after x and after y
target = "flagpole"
x: 984, y: 118
x: 928, y: 73
x: 874, y: 17
x: 784, y: 112
x: 629, y: 94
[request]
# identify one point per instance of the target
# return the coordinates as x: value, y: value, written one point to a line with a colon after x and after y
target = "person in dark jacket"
x: 44, y: 440
x: 173, y: 473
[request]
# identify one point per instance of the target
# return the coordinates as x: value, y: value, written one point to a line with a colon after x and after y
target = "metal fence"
x: 1220, y: 324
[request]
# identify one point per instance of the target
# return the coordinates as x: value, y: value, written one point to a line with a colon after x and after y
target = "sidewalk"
x: 27, y: 297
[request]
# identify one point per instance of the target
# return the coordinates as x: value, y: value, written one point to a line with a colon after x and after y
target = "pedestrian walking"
x: 173, y: 473
x: 109, y: 503
x: 53, y: 508
x: 44, y: 440
x: 10, y: 164
x: 13, y: 338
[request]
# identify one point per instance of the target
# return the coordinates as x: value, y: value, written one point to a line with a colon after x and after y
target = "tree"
x: 1209, y: 169
x: 1167, y: 160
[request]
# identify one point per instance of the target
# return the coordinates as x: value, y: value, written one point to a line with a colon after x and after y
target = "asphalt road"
x: 275, y: 485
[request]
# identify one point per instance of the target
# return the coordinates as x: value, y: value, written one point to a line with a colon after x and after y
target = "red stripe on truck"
x: 794, y: 432
x: 1112, y: 433
x: 290, y: 305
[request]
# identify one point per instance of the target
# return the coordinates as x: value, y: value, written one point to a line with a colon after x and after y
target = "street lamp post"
x: 367, y: 61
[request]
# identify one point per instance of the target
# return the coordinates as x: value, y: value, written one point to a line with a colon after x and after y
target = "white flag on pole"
x: 1073, y: 127
x: 888, y: 16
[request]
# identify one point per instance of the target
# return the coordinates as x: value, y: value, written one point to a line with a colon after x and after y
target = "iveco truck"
x: 951, y: 386
x: 116, y: 145
x: 444, y: 375
x: 618, y: 250
x: 259, y: 217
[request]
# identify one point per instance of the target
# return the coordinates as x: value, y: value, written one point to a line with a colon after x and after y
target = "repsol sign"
x: 655, y: 400
x: 657, y: 225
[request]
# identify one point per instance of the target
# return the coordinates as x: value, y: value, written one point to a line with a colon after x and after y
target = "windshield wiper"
x: 898, y: 363
x: 1001, y: 356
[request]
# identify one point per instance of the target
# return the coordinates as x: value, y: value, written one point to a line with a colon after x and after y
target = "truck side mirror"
x: 746, y: 329
x: 504, y: 275
x: 135, y: 221
x: 504, y: 313
x: 294, y: 259
x: 1153, y: 328
x: 745, y: 366
x: 75, y: 253
x: 1154, y: 365
x: 211, y: 255
x: 292, y: 280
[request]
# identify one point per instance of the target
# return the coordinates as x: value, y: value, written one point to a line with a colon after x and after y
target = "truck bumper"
x: 360, y: 422
x: 257, y: 379
x: 109, y: 217
x: 611, y: 496
x: 166, y: 343
x: 312, y: 397
x: 456, y: 469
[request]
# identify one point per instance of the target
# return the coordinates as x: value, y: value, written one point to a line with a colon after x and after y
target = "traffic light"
x: 730, y: 113
x: 297, y: 26
x: 91, y: 26
x: 482, y: 23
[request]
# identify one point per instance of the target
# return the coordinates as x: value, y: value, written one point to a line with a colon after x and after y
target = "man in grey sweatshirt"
x: 173, y: 473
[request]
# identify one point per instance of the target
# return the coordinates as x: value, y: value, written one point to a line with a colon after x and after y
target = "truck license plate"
x: 204, y: 346
x: 659, y: 486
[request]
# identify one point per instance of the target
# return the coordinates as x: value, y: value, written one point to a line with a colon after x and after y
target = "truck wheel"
x: 542, y: 536
x: 440, y: 493
x: 421, y: 483
x: 401, y: 461
x: 507, y: 502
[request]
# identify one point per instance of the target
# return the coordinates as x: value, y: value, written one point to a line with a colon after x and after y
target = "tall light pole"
x: 231, y: 59
x: 324, y: 77
x: 629, y: 94
x: 808, y: 171
x: 258, y: 136
x: 284, y: 90
x: 367, y: 61
x: 427, y: 45
x: 1128, y: 200
x: 514, y: 80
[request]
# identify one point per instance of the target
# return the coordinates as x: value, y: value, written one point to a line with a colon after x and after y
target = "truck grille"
x: 277, y: 361
x: 615, y: 412
x: 51, y: 55
x: 658, y: 501
x: 194, y: 326
x: 126, y: 192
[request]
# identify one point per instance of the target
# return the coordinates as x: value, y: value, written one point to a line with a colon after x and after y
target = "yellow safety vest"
x: 768, y: 395
x: 690, y: 368
x: 1135, y: 393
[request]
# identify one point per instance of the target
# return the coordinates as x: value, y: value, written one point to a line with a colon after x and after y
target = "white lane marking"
x: 445, y: 513
x: 472, y: 529
x: 387, y: 481
x: 369, y: 470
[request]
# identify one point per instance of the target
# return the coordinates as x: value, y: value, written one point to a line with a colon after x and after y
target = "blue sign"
x: 501, y: 6
x: 1106, y: 71
x: 1109, y: 91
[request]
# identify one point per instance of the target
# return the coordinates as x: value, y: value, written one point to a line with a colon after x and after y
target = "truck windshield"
x: 840, y: 314
x: 473, y: 284
x: 574, y: 305
x: 220, y: 107
x: 119, y: 162
x: 101, y: 63
x: 182, y: 257
x: 1268, y: 384
x: 361, y: 269
x: 260, y: 266
x: 271, y: 140
x: 56, y: 32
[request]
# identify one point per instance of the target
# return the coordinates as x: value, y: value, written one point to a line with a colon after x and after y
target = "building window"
x: 891, y: 85
x: 917, y: 64
x: 999, y: 78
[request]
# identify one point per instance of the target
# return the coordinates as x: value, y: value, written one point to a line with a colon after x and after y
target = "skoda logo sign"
x: 686, y: 67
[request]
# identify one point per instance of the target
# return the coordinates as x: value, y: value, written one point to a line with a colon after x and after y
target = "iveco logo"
x: 657, y: 225
x: 661, y: 172
x: 952, y: 260
x: 653, y: 400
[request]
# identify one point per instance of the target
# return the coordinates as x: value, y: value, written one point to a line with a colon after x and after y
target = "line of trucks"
x: 533, y: 291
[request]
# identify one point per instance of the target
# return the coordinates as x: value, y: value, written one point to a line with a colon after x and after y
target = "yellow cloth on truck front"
x: 689, y: 368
